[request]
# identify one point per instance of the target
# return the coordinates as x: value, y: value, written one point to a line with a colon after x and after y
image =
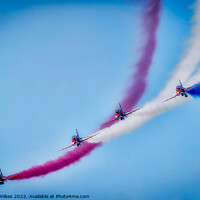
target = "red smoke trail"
x: 54, y: 165
x: 150, y: 22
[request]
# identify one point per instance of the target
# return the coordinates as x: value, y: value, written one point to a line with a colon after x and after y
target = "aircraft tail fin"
x: 120, y: 106
x: 180, y: 83
x: 77, y: 132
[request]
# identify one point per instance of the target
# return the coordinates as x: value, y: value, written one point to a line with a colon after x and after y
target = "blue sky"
x: 65, y: 66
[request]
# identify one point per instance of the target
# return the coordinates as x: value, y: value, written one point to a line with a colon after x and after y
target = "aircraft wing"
x: 66, y: 147
x: 87, y: 138
x: 192, y: 87
x: 10, y: 177
x: 170, y: 98
x: 110, y: 121
x: 84, y: 139
x: 134, y: 110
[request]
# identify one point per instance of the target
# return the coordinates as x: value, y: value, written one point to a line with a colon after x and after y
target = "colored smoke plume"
x: 54, y: 165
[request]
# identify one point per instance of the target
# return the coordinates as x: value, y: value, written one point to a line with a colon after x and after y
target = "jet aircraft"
x: 181, y: 91
x: 120, y: 114
x: 77, y: 140
x: 3, y: 178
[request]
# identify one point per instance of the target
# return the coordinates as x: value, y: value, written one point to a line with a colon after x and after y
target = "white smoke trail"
x: 137, y: 119
x: 184, y: 71
x: 194, y: 79
x: 190, y: 58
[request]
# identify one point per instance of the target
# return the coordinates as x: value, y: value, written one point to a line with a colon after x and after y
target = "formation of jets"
x: 119, y: 115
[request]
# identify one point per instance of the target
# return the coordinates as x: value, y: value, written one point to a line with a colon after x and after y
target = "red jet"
x: 77, y: 141
x: 180, y: 90
x: 120, y: 114
x: 4, y: 178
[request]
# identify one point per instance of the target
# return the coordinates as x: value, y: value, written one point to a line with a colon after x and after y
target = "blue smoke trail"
x: 194, y: 92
